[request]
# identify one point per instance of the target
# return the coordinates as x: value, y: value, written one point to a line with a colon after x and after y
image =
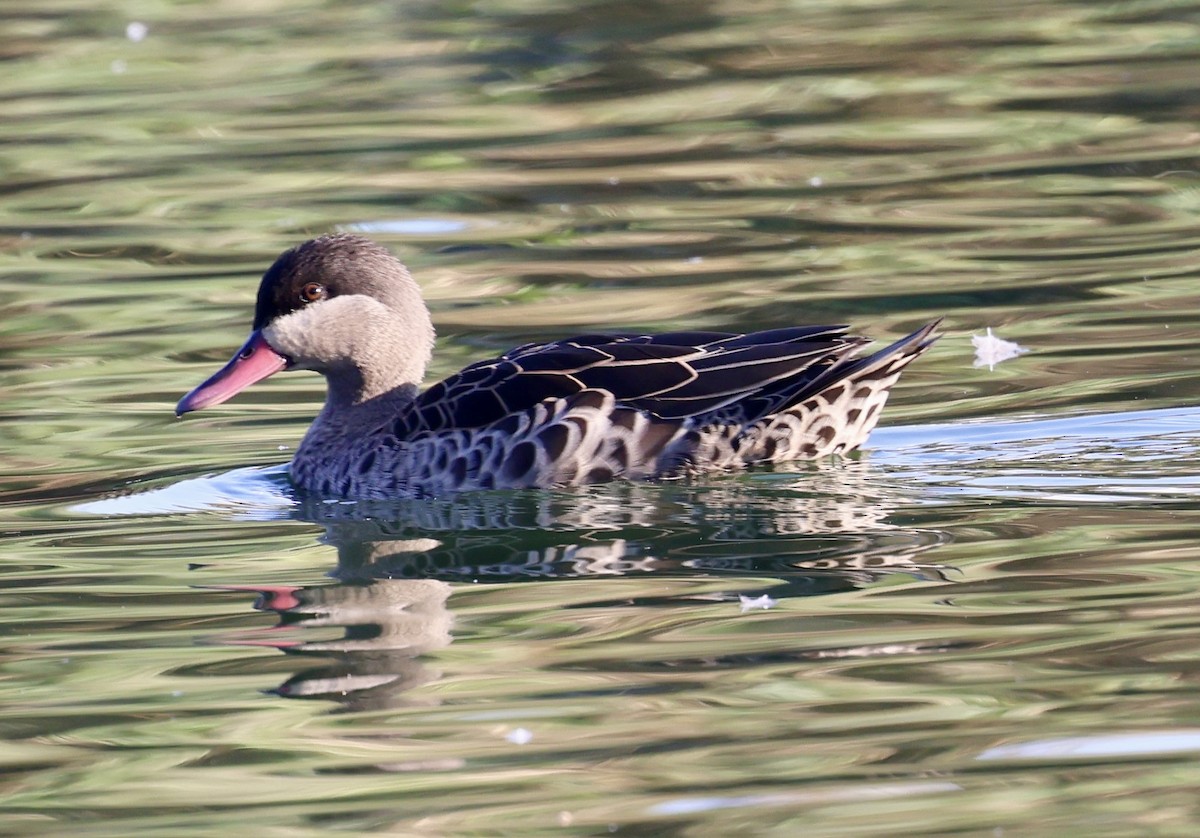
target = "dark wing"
x: 672, y: 375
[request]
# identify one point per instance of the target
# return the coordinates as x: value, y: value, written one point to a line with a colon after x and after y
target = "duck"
x: 585, y: 409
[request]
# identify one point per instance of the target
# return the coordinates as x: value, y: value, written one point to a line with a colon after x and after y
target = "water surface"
x: 984, y: 624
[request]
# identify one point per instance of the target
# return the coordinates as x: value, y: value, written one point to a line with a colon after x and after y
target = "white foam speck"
x: 519, y: 736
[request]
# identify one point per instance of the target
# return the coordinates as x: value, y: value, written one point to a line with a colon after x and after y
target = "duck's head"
x: 340, y: 305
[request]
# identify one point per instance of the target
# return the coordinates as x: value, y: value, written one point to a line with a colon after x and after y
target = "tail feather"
x: 839, y: 416
x: 832, y: 413
x: 894, y: 357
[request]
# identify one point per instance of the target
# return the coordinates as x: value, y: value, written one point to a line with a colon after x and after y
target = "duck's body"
x: 579, y: 410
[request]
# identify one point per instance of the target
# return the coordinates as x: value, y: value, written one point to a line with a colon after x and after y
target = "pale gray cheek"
x: 297, y: 336
x: 325, y: 332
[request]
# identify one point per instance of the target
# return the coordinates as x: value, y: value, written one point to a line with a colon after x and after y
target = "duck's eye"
x: 312, y: 291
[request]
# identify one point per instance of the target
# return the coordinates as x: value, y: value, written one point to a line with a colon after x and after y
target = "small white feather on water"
x: 753, y: 603
x: 991, y: 350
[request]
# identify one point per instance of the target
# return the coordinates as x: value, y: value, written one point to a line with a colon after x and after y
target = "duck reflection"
x: 397, y: 564
x: 387, y: 625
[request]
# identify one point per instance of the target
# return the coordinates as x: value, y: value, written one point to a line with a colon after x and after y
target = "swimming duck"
x: 578, y: 410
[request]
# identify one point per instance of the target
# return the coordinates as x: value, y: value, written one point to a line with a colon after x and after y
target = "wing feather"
x: 674, y: 375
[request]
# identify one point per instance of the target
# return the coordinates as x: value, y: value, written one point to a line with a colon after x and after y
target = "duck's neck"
x: 351, y: 388
x: 361, y: 399
x: 349, y: 423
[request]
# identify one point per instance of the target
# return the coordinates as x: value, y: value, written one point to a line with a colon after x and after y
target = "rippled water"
x: 984, y: 625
